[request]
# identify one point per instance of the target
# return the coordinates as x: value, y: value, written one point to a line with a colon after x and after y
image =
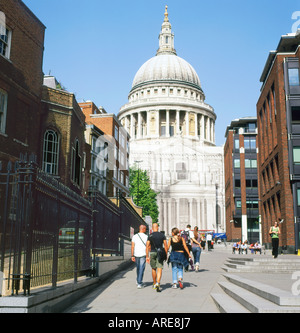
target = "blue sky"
x: 95, y: 47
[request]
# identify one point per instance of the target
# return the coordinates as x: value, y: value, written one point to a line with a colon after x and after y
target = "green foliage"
x: 142, y: 193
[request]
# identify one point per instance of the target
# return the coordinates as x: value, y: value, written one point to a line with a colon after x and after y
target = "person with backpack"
x: 187, y: 235
x: 156, y: 243
x: 138, y: 253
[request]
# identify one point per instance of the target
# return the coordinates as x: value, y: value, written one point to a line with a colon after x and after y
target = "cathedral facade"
x: 172, y: 133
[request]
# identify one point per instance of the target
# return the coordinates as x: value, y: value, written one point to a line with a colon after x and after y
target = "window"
x: 50, y: 152
x: 238, y: 204
x: 251, y: 183
x: 3, y: 110
x: 250, y: 164
x: 5, y: 39
x: 295, y: 114
x: 236, y: 163
x: 252, y: 127
x: 252, y: 204
x: 296, y: 155
x: 236, y: 143
x: 293, y: 76
x: 298, y: 196
x: 250, y: 143
x: 116, y: 133
x: 237, y: 183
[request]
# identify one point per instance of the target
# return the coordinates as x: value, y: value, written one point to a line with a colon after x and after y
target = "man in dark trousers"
x: 156, y: 241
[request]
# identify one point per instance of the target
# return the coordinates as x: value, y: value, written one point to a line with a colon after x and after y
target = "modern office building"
x: 278, y: 119
x: 241, y: 181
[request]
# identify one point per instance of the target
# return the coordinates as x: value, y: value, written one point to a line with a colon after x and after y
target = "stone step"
x: 275, y: 295
x: 259, y: 258
x: 227, y: 304
x: 260, y: 269
x: 253, y: 302
x: 264, y: 263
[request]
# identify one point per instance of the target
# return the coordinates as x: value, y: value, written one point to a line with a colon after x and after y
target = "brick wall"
x: 274, y: 176
x: 21, y: 78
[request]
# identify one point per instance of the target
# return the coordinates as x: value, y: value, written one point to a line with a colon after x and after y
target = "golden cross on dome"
x: 166, y: 15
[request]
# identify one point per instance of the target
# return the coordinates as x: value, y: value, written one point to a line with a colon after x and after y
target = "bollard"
x: 298, y: 252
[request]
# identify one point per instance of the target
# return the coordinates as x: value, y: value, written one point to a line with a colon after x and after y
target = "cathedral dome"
x: 166, y: 67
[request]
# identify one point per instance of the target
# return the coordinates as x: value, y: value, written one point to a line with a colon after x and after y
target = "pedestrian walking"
x: 187, y: 235
x: 138, y: 254
x: 196, y: 248
x: 177, y: 257
x: 209, y: 239
x: 203, y: 242
x: 275, y: 233
x: 155, y: 243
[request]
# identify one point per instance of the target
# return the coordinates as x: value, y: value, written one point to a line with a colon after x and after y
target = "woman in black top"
x: 177, y: 257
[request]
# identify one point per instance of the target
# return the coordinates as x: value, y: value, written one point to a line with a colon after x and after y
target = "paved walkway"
x: 120, y: 294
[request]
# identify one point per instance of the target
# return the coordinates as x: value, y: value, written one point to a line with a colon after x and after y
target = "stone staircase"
x: 262, y: 264
x: 241, y: 295
x: 237, y: 294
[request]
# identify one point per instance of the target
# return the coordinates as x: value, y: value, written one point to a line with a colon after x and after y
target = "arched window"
x: 50, y: 152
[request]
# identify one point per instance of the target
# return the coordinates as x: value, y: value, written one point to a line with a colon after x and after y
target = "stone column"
x: 127, y: 124
x: 207, y: 128
x: 148, y: 123
x: 170, y: 226
x: 177, y: 122
x: 157, y: 123
x: 165, y: 224
x: 139, y: 125
x: 196, y: 125
x: 202, y: 127
x: 177, y: 213
x: 204, y: 209
x: 132, y: 126
x: 198, y: 214
x: 167, y: 123
x: 187, y: 123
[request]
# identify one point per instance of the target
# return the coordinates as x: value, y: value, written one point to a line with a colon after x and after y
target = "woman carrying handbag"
x: 177, y: 257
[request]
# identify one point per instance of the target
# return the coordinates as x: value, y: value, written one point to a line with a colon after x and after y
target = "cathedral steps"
x: 241, y: 295
x: 262, y: 264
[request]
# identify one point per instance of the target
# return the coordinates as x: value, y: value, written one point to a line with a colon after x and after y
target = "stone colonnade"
x: 178, y: 212
x: 167, y: 123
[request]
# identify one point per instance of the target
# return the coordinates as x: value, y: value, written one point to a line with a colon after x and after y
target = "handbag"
x: 161, y: 253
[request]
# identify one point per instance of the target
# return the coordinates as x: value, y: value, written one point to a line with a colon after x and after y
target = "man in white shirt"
x: 209, y: 239
x: 138, y: 253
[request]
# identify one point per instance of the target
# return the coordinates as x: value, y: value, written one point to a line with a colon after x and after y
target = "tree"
x: 141, y: 192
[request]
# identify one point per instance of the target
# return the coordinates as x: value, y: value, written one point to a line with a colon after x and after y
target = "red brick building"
x: 21, y: 79
x: 117, y: 176
x: 278, y: 117
x: 241, y: 181
x: 63, y: 150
